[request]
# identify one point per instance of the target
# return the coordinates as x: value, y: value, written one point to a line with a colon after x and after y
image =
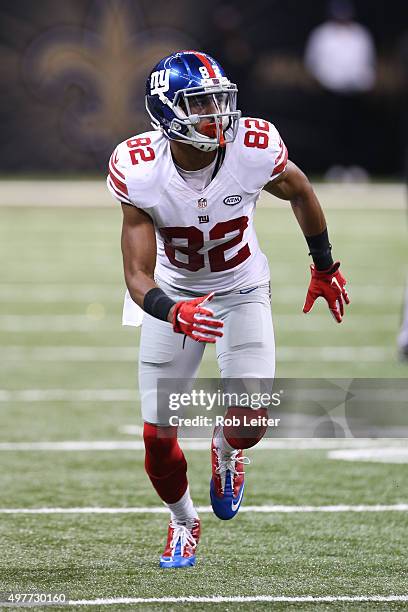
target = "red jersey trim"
x: 113, y: 161
x: 281, y: 162
x: 121, y: 196
x: 118, y: 184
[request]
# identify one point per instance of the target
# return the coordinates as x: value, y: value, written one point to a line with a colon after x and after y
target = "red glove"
x: 190, y: 318
x: 328, y: 284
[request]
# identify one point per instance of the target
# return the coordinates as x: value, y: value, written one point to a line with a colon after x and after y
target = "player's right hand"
x: 190, y: 318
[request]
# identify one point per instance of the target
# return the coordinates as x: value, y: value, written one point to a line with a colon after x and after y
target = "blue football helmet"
x: 191, y: 100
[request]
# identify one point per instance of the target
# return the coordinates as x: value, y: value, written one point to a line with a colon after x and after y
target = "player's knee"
x: 245, y: 427
x: 159, y: 439
x: 162, y: 448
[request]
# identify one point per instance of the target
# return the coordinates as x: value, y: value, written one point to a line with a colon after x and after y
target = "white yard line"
x: 335, y: 353
x: 76, y: 445
x: 131, y: 430
x: 56, y: 292
x: 58, y: 323
x: 239, y: 599
x: 199, y: 444
x: 69, y: 395
x: 376, y: 455
x: 281, y: 292
x: 335, y: 393
x: 359, y: 294
x: 295, y: 323
x: 69, y: 353
x: 290, y: 323
x: 63, y: 353
x: 265, y: 509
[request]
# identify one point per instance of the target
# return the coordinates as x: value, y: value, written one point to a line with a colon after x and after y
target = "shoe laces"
x: 228, y: 460
x: 182, y: 533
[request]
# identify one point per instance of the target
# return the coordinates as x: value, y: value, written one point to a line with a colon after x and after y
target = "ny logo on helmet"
x: 159, y: 82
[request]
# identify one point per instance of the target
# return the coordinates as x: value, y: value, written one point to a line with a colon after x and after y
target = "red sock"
x: 242, y: 435
x: 165, y: 463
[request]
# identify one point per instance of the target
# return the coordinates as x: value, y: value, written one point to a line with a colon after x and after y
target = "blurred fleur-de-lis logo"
x: 93, y: 77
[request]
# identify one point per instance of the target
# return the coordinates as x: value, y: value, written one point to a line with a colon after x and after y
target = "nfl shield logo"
x: 202, y: 203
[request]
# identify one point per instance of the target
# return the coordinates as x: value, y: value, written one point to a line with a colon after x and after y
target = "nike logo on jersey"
x: 245, y: 291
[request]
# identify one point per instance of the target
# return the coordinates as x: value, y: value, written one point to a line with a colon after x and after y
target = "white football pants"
x: 246, y: 350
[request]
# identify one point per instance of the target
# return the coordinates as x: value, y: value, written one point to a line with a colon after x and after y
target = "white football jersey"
x: 206, y: 239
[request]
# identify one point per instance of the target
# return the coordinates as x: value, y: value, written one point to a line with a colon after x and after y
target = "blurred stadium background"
x: 74, y: 74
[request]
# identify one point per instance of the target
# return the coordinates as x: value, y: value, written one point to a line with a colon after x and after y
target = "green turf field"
x: 68, y: 374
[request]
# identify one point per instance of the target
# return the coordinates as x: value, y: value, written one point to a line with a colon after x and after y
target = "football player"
x: 194, y: 269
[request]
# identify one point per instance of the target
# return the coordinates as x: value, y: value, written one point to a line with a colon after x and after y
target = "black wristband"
x: 157, y: 303
x: 320, y: 250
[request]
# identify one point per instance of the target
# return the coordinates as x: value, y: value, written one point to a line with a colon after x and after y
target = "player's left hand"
x: 328, y: 284
x: 190, y: 318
